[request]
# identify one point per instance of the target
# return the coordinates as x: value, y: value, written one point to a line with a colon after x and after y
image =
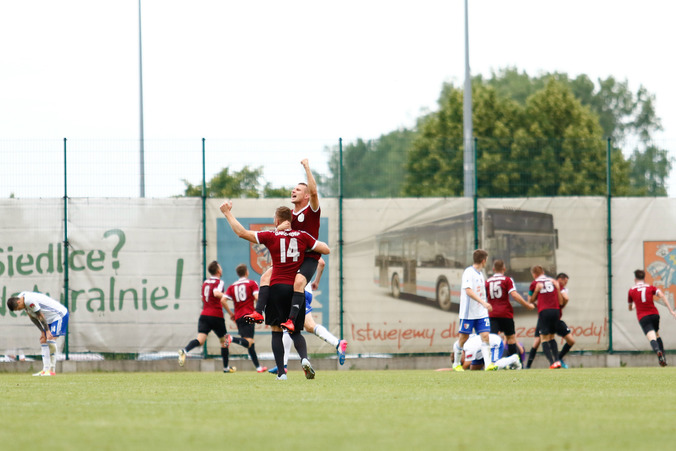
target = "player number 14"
x: 290, y: 252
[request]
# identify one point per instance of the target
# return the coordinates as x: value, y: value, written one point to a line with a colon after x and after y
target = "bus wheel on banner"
x: 396, y: 288
x: 444, y: 295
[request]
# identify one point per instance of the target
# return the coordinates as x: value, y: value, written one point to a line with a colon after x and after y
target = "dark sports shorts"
x: 650, y: 322
x: 208, y: 323
x: 245, y: 329
x: 308, y: 268
x: 562, y: 328
x: 505, y: 325
x: 279, y: 306
x: 547, y: 320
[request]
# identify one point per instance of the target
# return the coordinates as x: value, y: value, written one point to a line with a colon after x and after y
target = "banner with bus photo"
x: 417, y: 249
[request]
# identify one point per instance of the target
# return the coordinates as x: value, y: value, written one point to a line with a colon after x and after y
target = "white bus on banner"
x: 427, y: 259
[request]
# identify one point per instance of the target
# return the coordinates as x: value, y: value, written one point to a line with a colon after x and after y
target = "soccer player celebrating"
x: 498, y: 289
x: 243, y: 294
x: 50, y: 316
x: 642, y: 295
x: 306, y: 217
x: 474, y: 310
x: 287, y: 250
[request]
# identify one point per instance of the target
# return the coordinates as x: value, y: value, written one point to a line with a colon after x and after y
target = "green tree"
x: 551, y: 145
x: 649, y: 171
x: 372, y: 168
x: 244, y: 183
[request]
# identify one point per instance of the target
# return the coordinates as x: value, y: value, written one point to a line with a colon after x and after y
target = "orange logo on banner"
x: 259, y: 256
x: 659, y: 259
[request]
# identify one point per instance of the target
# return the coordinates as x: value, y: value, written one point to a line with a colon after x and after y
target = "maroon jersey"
x: 243, y: 294
x: 211, y: 305
x: 287, y: 248
x: 307, y: 220
x: 498, y: 288
x: 642, y: 295
x: 548, y: 297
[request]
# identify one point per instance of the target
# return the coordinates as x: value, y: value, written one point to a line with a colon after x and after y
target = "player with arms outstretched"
x: 287, y: 250
x: 306, y: 217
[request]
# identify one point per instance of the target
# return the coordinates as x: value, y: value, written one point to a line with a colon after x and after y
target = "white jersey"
x: 38, y: 302
x: 469, y: 308
x: 472, y: 347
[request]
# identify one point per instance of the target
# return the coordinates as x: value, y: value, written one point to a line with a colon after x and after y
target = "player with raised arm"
x: 211, y: 318
x: 50, y: 316
x: 474, y: 310
x: 243, y: 294
x: 545, y: 292
x: 306, y: 217
x: 287, y: 249
x: 643, y: 297
x: 498, y: 290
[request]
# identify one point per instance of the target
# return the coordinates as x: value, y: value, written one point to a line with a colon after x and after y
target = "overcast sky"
x: 300, y: 71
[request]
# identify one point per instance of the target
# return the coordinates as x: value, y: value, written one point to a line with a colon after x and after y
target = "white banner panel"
x: 31, y: 259
x: 643, y: 238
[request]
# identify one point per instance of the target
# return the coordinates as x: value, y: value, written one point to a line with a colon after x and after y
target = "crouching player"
x: 473, y: 359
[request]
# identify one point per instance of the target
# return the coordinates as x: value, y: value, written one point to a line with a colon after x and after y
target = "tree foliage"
x: 549, y: 145
x: 236, y: 184
x: 372, y: 168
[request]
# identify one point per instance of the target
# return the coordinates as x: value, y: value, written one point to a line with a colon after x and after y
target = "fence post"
x: 476, y: 195
x: 204, y: 225
x: 609, y: 246
x: 340, y: 233
x: 65, y: 243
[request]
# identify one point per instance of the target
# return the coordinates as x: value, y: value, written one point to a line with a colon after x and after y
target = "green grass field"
x: 620, y: 408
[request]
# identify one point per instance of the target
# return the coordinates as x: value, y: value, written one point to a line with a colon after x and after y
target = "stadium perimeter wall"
x: 135, y: 267
x: 427, y: 363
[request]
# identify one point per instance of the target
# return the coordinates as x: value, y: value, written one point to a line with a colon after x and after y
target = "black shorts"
x: 547, y: 321
x: 562, y: 329
x: 279, y: 306
x: 208, y: 323
x: 650, y: 322
x: 245, y: 329
x: 308, y: 268
x: 505, y: 325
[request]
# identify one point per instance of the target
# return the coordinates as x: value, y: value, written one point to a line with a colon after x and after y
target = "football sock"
x: 512, y: 349
x: 655, y: 346
x: 457, y: 353
x: 531, y: 356
x: 564, y: 350
x: 241, y: 341
x: 325, y: 335
x: 297, y: 301
x: 263, y: 293
x: 554, y: 348
x: 192, y: 345
x: 253, y: 355
x: 52, y: 354
x: 660, y: 344
x: 300, y: 344
x: 278, y: 351
x: 225, y: 353
x: 486, y: 353
x: 287, y: 342
x: 548, y: 352
x: 44, y: 348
